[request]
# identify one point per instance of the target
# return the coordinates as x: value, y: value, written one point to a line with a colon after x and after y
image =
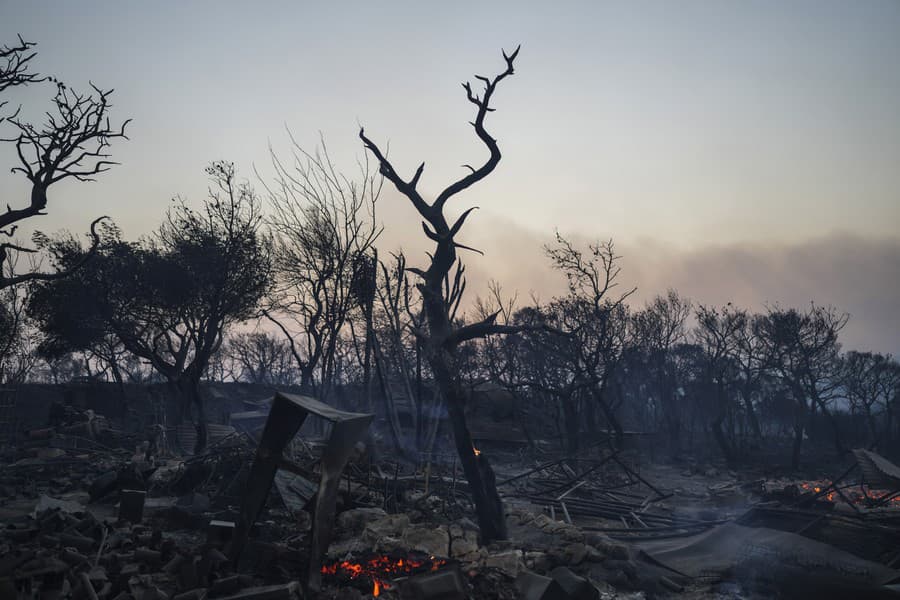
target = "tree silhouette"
x: 72, y: 143
x: 443, y: 337
x: 802, y: 349
x: 871, y: 384
x: 659, y: 329
x: 322, y: 222
x: 594, y: 321
x: 170, y: 299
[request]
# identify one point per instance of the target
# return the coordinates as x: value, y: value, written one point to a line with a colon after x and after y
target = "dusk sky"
x: 737, y: 151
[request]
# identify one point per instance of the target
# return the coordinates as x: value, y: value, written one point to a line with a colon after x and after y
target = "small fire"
x: 380, y: 568
x: 476, y: 451
x: 855, y: 495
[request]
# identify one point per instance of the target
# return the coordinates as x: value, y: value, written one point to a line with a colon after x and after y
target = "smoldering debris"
x: 111, y: 515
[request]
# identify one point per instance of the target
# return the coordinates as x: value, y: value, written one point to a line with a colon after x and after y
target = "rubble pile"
x: 64, y: 550
x: 539, y: 546
x: 131, y: 521
x: 123, y: 545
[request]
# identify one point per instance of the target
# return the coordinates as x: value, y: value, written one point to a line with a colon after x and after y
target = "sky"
x: 737, y: 151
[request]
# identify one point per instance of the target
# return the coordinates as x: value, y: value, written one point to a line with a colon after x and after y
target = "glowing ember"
x: 382, y: 568
x: 856, y: 495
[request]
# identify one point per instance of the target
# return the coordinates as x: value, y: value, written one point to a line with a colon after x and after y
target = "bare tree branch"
x: 72, y: 143
x: 483, y: 104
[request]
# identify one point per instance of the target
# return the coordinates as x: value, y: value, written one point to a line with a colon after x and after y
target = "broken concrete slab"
x: 388, y: 526
x: 354, y: 521
x: 431, y: 540
x: 508, y: 562
x: 463, y: 542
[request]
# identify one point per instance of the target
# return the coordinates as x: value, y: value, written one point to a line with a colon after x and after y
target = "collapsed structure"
x: 269, y: 513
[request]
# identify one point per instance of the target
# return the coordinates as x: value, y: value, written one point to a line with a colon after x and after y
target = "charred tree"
x: 871, y: 383
x: 260, y: 357
x: 443, y: 337
x: 323, y: 222
x: 802, y: 349
x: 658, y: 331
x: 72, y: 143
x: 716, y: 334
x: 593, y: 320
x: 170, y: 298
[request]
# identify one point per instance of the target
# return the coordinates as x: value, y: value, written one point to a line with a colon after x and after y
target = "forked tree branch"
x: 483, y: 328
x: 72, y: 143
x: 408, y: 188
x: 489, y: 326
x: 483, y: 104
x: 14, y: 65
x: 442, y: 292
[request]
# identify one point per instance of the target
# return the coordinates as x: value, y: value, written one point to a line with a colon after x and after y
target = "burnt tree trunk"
x: 188, y: 390
x: 477, y: 469
x: 441, y: 354
x: 443, y: 337
x: 307, y: 380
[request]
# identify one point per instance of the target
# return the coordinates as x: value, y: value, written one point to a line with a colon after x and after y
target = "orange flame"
x: 854, y: 495
x: 380, y: 567
x: 476, y: 451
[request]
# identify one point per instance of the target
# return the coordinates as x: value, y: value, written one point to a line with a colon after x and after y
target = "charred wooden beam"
x: 287, y: 415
